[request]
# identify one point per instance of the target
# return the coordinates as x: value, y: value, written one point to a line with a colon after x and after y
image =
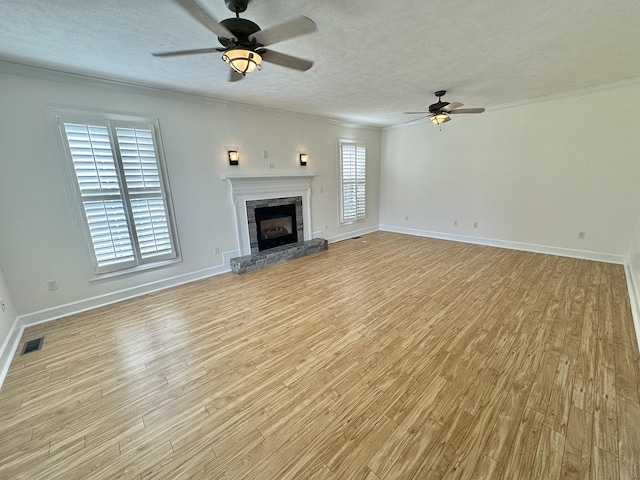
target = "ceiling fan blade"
x: 467, y: 110
x: 290, y: 29
x: 416, y: 113
x: 194, y: 9
x: 451, y: 106
x: 187, y: 52
x: 286, y: 60
x: 234, y: 76
x: 414, y: 120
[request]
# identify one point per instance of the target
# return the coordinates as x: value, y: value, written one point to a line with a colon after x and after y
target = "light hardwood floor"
x: 385, y: 357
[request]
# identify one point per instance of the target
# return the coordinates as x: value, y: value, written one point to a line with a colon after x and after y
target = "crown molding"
x: 628, y: 83
x: 128, y: 86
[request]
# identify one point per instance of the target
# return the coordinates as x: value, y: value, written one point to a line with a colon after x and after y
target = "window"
x: 353, y: 162
x: 118, y: 172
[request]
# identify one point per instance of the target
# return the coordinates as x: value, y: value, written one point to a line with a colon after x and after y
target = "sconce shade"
x: 242, y: 61
x: 233, y: 157
x: 304, y: 158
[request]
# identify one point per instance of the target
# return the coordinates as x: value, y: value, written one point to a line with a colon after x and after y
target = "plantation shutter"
x: 144, y: 186
x: 120, y: 184
x: 100, y: 191
x: 353, y: 190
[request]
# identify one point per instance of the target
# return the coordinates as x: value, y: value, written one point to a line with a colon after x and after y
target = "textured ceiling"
x: 374, y: 59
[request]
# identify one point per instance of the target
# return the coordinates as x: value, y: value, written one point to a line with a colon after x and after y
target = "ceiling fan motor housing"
x: 242, y: 29
x: 436, y: 107
x: 439, y: 105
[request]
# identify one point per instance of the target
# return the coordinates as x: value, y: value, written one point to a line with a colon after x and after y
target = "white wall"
x: 39, y: 240
x: 535, y: 174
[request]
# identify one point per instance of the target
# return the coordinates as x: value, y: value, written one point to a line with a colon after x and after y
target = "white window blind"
x: 119, y: 177
x: 353, y: 162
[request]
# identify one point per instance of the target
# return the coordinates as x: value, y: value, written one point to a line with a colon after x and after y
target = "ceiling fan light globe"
x: 242, y: 61
x: 439, y: 118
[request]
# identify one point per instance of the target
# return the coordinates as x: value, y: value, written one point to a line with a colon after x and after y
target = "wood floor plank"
x: 548, y: 458
x: 475, y: 441
x: 629, y: 438
x: 521, y: 458
x: 605, y: 413
x: 442, y: 455
x: 385, y: 357
x: 604, y: 466
x: 576, y: 462
x: 509, y: 419
x: 557, y: 415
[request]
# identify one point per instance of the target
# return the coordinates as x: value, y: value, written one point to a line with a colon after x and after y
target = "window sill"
x: 351, y: 222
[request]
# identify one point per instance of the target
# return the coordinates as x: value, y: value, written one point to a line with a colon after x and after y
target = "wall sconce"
x: 304, y: 158
x: 233, y: 157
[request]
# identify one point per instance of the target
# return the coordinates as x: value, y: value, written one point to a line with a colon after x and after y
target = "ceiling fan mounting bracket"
x: 440, y: 93
x: 237, y: 6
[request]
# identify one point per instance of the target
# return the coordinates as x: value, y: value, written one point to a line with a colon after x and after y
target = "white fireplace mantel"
x: 259, y: 187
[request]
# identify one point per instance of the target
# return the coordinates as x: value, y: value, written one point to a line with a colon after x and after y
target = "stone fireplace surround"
x: 272, y: 202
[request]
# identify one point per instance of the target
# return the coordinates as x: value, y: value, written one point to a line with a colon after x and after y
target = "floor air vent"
x: 32, y: 345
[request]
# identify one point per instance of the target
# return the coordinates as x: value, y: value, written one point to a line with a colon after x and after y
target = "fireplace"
x: 249, y: 193
x: 276, y: 226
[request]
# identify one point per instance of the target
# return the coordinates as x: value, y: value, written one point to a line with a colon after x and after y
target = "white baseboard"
x: 226, y: 259
x: 351, y: 234
x: 120, y: 295
x: 526, y: 247
x: 22, y: 321
x: 9, y: 347
x: 634, y: 300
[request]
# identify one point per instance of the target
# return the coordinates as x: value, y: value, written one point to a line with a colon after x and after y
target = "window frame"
x: 341, y: 181
x: 111, y: 122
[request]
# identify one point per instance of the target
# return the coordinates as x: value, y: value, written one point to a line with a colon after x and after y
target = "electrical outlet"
x: 216, y: 250
x: 271, y: 165
x: 475, y: 224
x: 52, y: 285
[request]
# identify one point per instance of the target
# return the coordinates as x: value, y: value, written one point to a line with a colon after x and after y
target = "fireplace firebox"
x: 272, y: 222
x: 276, y: 225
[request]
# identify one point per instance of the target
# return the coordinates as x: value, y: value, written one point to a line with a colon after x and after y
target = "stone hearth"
x: 275, y: 255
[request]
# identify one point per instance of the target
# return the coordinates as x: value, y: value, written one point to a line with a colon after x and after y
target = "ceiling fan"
x: 243, y: 42
x: 439, y: 112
